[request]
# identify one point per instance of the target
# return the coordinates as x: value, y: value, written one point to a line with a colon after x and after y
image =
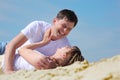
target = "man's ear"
x: 54, y: 20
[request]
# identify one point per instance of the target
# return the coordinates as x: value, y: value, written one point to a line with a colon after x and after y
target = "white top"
x: 35, y: 32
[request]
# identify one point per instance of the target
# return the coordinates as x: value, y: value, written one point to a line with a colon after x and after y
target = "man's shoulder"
x: 42, y: 22
x: 39, y: 22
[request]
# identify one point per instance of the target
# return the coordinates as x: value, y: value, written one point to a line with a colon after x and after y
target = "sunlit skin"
x: 62, y: 54
x: 61, y: 28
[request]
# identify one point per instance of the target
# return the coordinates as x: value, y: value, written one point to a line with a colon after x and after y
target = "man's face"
x: 61, y: 28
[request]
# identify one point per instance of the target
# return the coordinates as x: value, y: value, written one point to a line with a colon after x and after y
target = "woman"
x: 63, y: 56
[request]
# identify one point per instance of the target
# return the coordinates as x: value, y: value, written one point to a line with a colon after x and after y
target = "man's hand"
x: 47, y: 36
x: 45, y: 63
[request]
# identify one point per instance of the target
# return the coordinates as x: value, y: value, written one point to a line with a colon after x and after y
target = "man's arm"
x: 10, y: 51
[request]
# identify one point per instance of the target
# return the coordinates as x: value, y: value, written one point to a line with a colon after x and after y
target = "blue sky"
x: 97, y: 32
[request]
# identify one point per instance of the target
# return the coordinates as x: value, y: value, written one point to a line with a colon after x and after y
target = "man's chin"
x: 55, y: 38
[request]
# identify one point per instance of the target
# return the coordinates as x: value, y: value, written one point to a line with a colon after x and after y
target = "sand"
x: 105, y: 69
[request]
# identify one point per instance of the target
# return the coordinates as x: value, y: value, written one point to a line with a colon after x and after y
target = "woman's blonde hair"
x: 76, y: 55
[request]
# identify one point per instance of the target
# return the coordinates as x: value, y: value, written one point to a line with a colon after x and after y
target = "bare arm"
x: 10, y: 51
x: 33, y: 46
x: 46, y: 40
x: 38, y: 60
x: 28, y: 53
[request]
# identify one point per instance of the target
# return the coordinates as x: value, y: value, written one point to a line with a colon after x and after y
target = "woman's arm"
x: 46, y: 40
x: 33, y: 46
x: 35, y: 58
x: 10, y: 52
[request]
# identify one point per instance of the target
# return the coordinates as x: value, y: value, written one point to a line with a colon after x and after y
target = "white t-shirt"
x: 35, y: 32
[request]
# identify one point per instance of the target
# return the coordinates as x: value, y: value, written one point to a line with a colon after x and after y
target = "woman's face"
x: 61, y: 28
x: 63, y: 54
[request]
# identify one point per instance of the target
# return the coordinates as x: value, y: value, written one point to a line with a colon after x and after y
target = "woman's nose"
x: 64, y: 55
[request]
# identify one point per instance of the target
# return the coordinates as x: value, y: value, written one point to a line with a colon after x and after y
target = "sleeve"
x: 30, y: 30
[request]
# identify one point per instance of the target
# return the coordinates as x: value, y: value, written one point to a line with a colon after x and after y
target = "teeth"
x: 55, y: 35
x: 61, y: 32
x: 58, y: 34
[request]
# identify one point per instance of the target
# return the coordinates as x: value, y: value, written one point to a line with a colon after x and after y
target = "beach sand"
x: 105, y: 69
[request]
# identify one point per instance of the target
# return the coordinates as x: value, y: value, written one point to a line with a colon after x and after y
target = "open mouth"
x: 58, y: 35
